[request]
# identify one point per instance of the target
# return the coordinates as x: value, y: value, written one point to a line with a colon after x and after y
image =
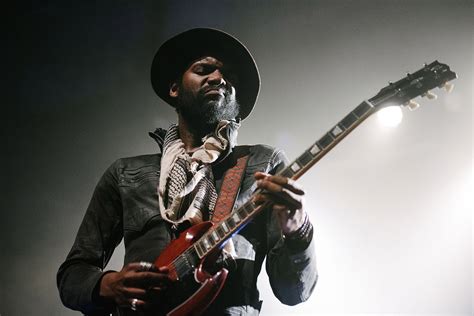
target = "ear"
x: 174, y: 90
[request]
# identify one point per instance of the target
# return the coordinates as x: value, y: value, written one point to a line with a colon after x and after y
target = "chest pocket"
x: 138, y: 190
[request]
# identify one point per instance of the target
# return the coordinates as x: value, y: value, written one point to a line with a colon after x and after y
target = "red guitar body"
x: 208, y: 285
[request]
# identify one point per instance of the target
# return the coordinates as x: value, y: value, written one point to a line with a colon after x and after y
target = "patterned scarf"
x: 186, y: 190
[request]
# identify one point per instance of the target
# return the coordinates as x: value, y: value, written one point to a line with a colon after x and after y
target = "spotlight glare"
x: 390, y: 116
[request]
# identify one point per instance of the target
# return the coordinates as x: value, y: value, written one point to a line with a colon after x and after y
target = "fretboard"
x: 320, y: 148
x: 240, y: 217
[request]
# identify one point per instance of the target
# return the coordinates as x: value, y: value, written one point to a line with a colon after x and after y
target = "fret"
x: 220, y: 231
x: 325, y: 141
x: 214, y: 236
x: 211, y: 241
x: 206, y: 244
x: 236, y: 217
x: 287, y: 172
x: 198, y: 249
x: 231, y: 222
x: 362, y: 109
x: 249, y: 207
x: 336, y: 131
x: 348, y: 120
x: 242, y: 213
x: 314, y: 150
x: 295, y: 167
x: 225, y: 227
x: 305, y: 158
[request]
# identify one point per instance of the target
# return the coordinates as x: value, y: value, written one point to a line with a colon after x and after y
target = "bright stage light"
x: 390, y: 116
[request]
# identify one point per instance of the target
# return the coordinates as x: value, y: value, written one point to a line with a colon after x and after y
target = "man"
x: 212, y: 81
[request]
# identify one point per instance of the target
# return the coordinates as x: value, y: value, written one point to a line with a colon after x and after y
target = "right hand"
x: 132, y: 282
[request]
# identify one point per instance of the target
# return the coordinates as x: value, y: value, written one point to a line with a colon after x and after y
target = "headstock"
x: 415, y: 84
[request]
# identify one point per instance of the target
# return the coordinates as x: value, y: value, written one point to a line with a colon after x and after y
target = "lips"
x: 214, y: 91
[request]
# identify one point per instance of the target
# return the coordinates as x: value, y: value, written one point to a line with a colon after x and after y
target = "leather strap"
x: 229, y: 190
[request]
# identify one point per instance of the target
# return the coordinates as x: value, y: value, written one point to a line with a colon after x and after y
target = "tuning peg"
x: 448, y: 87
x: 412, y: 105
x: 430, y: 95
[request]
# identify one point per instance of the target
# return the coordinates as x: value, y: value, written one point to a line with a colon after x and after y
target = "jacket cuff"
x: 301, y: 239
x: 97, y: 305
x: 301, y: 257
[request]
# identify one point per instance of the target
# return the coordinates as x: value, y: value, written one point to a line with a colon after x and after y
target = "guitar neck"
x: 240, y: 217
x: 330, y: 139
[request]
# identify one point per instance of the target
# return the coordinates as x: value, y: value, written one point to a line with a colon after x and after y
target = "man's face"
x: 206, y: 94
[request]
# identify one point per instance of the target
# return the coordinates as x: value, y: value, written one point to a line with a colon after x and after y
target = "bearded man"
x: 212, y: 81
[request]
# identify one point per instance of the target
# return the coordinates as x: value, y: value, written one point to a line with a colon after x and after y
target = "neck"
x: 191, y: 137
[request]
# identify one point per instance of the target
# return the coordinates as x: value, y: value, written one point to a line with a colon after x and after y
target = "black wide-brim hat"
x: 179, y: 52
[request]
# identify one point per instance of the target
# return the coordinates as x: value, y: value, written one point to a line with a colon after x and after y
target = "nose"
x: 216, y: 78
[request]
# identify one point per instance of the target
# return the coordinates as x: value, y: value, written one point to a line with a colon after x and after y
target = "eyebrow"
x: 220, y: 65
x: 208, y: 62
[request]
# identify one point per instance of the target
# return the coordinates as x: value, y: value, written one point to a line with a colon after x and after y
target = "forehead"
x: 207, y: 60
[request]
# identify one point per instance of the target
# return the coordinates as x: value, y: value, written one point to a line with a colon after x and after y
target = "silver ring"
x: 145, y: 266
x: 133, y: 306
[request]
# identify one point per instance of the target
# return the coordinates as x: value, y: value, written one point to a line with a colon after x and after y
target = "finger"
x: 147, y: 279
x: 294, y: 186
x: 135, y: 304
x: 281, y: 208
x: 284, y: 199
x: 276, y: 183
x: 260, y: 175
x: 140, y: 266
x: 145, y: 266
x: 269, y: 186
x: 289, y: 199
x: 288, y: 183
x: 163, y: 269
x: 157, y: 290
x: 133, y: 292
x: 261, y: 198
x: 293, y: 200
x: 156, y: 295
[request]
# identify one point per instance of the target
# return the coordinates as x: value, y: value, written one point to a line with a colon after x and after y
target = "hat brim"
x: 176, y: 54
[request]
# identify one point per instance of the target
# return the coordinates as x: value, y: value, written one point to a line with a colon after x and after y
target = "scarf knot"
x: 186, y: 191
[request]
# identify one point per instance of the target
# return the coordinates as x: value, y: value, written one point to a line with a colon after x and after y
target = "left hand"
x: 287, y: 197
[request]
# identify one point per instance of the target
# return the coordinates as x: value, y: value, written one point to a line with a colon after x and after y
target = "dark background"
x: 77, y: 96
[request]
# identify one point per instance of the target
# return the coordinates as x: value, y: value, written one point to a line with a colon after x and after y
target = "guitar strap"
x: 229, y: 190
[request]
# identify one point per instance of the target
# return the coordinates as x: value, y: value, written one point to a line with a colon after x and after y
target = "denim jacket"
x: 125, y: 205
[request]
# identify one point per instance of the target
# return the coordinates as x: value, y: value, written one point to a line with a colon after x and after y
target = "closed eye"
x: 203, y: 69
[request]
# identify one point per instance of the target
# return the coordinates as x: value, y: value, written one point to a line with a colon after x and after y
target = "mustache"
x: 220, y: 88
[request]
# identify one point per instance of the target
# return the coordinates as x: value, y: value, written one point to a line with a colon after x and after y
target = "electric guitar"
x: 191, y: 255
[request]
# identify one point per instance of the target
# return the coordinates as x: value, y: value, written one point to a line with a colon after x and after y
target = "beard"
x: 202, y: 112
